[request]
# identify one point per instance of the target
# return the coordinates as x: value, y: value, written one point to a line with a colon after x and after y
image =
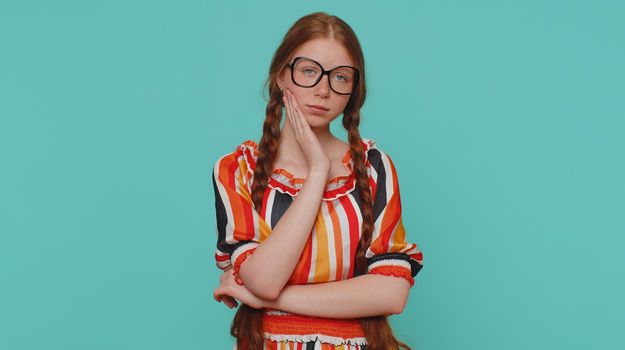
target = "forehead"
x: 330, y: 53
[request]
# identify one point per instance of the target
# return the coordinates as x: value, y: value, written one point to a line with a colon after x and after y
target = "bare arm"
x: 362, y: 296
x: 266, y: 271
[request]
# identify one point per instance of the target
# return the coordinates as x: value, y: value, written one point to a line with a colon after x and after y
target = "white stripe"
x: 330, y: 238
x: 388, y: 185
x: 313, y: 255
x: 269, y: 207
x: 228, y: 207
x: 354, y: 204
x: 389, y: 262
x: 242, y: 249
x: 344, y: 223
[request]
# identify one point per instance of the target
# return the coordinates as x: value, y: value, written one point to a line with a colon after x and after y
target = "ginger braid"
x: 268, y: 146
x: 362, y: 184
x: 247, y: 323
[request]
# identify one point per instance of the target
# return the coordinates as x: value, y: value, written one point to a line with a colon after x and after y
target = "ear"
x: 280, y: 80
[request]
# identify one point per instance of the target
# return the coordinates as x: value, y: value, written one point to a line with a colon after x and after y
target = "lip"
x: 318, y: 108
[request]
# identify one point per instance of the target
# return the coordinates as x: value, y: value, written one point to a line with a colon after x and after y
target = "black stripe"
x: 281, y: 203
x: 387, y: 256
x: 222, y: 219
x: 375, y: 158
x: 415, y: 267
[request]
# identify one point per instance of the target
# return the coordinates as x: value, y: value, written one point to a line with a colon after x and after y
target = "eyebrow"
x: 340, y: 65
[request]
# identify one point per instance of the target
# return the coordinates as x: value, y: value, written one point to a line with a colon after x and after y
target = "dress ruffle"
x: 283, y: 181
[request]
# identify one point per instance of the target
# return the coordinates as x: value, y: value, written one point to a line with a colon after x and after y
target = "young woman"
x: 310, y: 233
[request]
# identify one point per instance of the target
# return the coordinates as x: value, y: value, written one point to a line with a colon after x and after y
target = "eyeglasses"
x: 306, y: 72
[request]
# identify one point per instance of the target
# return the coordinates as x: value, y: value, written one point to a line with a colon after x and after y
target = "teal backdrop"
x: 505, y: 120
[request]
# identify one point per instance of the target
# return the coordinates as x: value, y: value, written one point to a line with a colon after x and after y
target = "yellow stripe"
x: 322, y: 265
x: 398, y: 238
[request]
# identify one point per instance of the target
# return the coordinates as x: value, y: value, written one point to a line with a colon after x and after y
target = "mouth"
x: 318, y: 108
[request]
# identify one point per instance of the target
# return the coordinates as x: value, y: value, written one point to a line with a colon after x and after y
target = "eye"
x: 341, y: 78
x: 308, y: 71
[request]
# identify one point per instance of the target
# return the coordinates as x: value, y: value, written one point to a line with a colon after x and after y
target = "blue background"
x: 504, y: 120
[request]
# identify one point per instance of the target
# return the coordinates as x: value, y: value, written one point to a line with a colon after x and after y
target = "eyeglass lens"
x: 306, y: 73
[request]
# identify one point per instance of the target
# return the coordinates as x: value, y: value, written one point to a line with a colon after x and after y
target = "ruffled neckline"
x: 284, y: 181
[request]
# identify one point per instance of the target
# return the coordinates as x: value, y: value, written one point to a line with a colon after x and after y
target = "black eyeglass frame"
x: 324, y: 72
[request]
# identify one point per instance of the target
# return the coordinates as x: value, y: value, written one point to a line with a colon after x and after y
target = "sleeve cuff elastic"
x: 239, y: 255
x: 392, y: 267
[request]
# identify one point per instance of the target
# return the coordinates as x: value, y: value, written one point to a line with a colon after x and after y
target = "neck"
x: 289, y: 149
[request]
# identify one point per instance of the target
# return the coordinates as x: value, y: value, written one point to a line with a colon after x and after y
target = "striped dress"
x: 331, y: 247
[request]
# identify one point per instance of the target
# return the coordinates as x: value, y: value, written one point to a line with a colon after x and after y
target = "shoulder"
x: 378, y: 160
x: 240, y: 161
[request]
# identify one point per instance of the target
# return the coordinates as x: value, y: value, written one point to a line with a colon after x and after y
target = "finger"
x: 301, y: 119
x: 220, y: 293
x: 290, y: 109
x: 287, y: 108
x: 230, y: 302
x: 304, y: 127
x: 216, y: 296
x: 295, y: 116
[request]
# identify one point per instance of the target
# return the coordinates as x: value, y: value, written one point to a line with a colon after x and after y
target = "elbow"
x: 398, y: 306
x: 260, y: 283
x: 266, y: 293
x: 267, y: 290
x: 399, y: 299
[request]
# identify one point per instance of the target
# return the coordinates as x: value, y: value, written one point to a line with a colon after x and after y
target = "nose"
x: 322, y: 89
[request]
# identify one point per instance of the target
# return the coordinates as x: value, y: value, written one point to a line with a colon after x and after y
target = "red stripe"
x: 221, y: 258
x: 264, y: 204
x: 247, y: 232
x: 354, y: 231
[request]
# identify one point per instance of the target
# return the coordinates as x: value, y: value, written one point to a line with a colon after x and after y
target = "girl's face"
x: 329, y: 53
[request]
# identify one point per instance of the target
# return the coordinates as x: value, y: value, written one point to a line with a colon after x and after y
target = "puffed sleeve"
x: 240, y: 228
x: 389, y: 253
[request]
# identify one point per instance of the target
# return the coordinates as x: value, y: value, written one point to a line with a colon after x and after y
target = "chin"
x: 316, y: 121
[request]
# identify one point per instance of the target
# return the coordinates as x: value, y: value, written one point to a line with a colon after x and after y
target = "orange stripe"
x: 226, y: 174
x: 322, y: 265
x: 390, y: 220
x: 338, y: 241
x: 240, y: 203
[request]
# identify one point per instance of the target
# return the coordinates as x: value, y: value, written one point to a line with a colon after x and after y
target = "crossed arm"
x: 362, y: 296
x: 264, y: 274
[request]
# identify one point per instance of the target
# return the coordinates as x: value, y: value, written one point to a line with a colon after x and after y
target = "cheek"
x: 300, y: 94
x: 342, y: 103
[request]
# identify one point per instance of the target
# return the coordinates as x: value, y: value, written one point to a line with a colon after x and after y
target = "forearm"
x: 267, y: 270
x: 362, y: 296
